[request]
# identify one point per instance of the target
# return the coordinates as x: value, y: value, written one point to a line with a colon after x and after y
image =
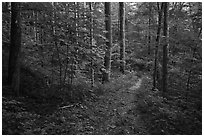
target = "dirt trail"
x: 118, y: 109
x: 126, y: 98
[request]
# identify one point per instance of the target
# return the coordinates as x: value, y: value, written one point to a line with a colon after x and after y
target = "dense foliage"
x: 64, y: 50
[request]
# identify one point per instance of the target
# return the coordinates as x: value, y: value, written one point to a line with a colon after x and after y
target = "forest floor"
x: 126, y: 105
x: 111, y: 113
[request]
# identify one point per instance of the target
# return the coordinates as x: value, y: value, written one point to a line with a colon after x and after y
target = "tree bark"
x: 55, y: 44
x: 107, y: 58
x: 155, y: 73
x: 165, y: 54
x: 122, y: 36
x: 36, y: 26
x: 91, y: 43
x: 15, y: 48
x: 149, y: 25
x: 67, y: 53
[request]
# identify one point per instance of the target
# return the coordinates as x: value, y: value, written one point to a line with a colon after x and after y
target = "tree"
x: 122, y: 36
x: 149, y: 24
x: 67, y: 51
x: 107, y: 58
x: 91, y: 43
x: 165, y: 54
x: 15, y: 48
x: 156, y: 71
x: 54, y: 34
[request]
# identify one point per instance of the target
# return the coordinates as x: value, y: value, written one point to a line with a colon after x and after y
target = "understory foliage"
x: 63, y: 50
x: 169, y: 114
x: 97, y: 113
x: 54, y: 112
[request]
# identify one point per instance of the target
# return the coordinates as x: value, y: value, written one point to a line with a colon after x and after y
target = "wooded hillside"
x: 102, y: 68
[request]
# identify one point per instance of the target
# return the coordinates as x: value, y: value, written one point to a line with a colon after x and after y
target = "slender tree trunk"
x: 36, y: 26
x: 74, y: 58
x: 58, y: 49
x: 44, y: 30
x: 41, y: 29
x: 149, y: 24
x: 165, y: 50
x: 15, y: 48
x: 91, y: 43
x: 56, y: 45
x: 67, y: 52
x: 122, y: 36
x: 40, y: 41
x: 76, y: 21
x: 107, y: 58
x: 53, y: 43
x: 155, y: 73
x: 188, y: 80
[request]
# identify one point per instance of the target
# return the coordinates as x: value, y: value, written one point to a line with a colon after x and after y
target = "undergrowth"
x: 73, y: 109
x: 167, y: 115
x: 82, y: 109
x: 117, y: 83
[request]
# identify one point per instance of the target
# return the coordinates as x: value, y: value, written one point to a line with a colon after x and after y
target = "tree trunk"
x: 149, y: 24
x: 122, y: 36
x: 188, y: 80
x: 165, y: 54
x: 67, y: 53
x: 91, y: 43
x: 107, y: 58
x: 15, y: 48
x: 36, y: 27
x: 55, y: 44
x: 76, y: 43
x: 155, y: 73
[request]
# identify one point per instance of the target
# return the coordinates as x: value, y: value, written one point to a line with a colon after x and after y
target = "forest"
x: 101, y: 68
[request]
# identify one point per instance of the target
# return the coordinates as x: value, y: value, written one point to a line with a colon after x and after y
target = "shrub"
x: 167, y: 116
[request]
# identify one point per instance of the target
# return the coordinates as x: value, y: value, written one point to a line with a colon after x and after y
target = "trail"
x: 117, y: 111
x: 128, y: 97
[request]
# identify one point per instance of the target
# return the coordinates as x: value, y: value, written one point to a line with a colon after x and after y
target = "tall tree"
x: 91, y: 42
x: 55, y: 42
x: 36, y: 26
x: 15, y: 48
x: 122, y: 36
x: 107, y: 58
x: 67, y: 50
x: 149, y: 24
x: 156, y: 71
x: 165, y: 54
